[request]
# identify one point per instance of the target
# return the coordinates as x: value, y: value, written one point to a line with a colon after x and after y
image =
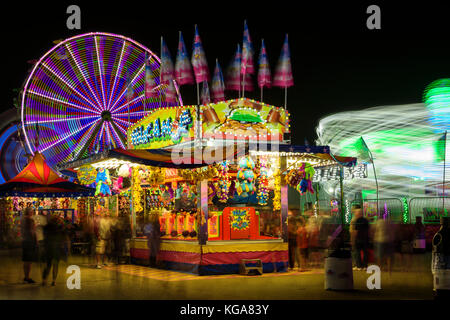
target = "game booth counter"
x: 218, y: 188
x: 40, y: 188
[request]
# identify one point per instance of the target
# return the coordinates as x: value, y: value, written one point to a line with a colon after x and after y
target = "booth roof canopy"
x: 191, y: 159
x: 37, y: 179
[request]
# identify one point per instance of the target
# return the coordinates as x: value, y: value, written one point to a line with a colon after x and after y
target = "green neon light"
x: 405, y: 210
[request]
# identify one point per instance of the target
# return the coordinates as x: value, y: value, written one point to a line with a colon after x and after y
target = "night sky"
x: 338, y: 64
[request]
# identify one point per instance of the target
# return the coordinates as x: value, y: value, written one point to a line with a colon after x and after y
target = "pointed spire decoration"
x: 150, y: 83
x: 171, y: 94
x: 198, y: 60
x: 283, y: 73
x: 167, y: 69
x: 247, y: 66
x: 218, y: 85
x: 233, y: 75
x: 206, y: 97
x: 264, y: 75
x: 183, y: 68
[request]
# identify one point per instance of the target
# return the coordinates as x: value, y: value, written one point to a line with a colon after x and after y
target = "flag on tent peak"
x: 130, y: 90
x: 206, y: 97
x: 171, y: 93
x: 283, y: 72
x: 440, y: 148
x: 233, y: 75
x: 264, y: 76
x: 247, y: 65
x: 183, y: 68
x: 150, y: 83
x: 218, y: 86
x: 363, y: 151
x: 198, y: 60
x: 167, y: 70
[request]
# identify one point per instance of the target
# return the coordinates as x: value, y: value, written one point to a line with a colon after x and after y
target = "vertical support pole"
x: 284, y: 199
x: 443, y: 175
x: 133, y: 213
x: 202, y: 204
x: 341, y: 183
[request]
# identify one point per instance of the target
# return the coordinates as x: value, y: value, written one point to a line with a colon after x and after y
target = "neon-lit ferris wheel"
x: 82, y: 95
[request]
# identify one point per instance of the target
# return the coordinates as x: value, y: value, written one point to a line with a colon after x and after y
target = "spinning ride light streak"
x: 12, y: 154
x: 75, y: 99
x: 402, y: 140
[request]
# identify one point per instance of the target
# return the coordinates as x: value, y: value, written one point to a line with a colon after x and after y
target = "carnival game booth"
x: 39, y: 187
x: 217, y: 184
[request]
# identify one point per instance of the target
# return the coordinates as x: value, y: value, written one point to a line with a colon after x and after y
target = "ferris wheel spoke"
x: 128, y: 103
x: 134, y: 113
x: 101, y: 132
x: 77, y: 63
x: 62, y: 102
x: 59, y: 120
x: 64, y: 138
x: 88, y: 138
x: 119, y: 69
x: 125, y: 89
x: 100, y: 68
x: 123, y: 122
x: 118, y: 136
x: 67, y: 83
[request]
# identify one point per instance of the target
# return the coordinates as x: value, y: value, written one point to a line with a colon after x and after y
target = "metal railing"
x: 392, y: 208
x: 429, y: 208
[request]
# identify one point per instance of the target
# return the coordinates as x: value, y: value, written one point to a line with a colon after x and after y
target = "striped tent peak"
x: 38, y: 172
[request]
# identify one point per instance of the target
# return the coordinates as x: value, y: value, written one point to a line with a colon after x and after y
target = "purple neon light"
x: 78, y: 79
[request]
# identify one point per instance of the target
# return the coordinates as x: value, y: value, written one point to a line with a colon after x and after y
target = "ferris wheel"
x: 82, y: 95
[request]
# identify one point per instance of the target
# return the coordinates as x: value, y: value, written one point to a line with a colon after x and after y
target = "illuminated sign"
x: 240, y: 219
x: 162, y: 128
x: 244, y: 118
x: 332, y: 173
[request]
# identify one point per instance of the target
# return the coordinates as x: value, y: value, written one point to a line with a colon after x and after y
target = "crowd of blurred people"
x: 48, y: 238
x: 381, y: 242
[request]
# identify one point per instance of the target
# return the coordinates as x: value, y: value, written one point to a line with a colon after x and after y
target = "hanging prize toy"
x: 245, y: 176
x: 103, y: 182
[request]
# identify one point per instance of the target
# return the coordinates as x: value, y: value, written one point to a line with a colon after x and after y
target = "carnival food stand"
x: 217, y: 178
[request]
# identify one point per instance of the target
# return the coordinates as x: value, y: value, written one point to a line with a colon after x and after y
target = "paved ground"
x: 142, y: 283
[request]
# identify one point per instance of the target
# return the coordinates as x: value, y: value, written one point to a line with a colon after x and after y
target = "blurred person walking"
x: 153, y: 234
x: 384, y: 243
x: 312, y: 228
x: 117, y: 239
x: 405, y: 244
x: 292, y: 241
x: 126, y: 227
x: 87, y: 226
x: 56, y: 234
x: 40, y: 221
x: 103, y: 235
x: 29, y: 243
x: 359, y: 235
x: 302, y: 245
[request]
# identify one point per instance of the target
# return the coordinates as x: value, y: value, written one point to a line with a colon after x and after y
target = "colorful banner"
x: 244, y: 118
x: 214, y: 225
x: 162, y: 128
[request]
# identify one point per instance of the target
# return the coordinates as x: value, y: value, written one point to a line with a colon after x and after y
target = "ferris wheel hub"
x: 106, y: 115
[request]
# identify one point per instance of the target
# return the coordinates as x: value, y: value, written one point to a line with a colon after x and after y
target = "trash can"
x: 338, y: 270
x: 440, y: 262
